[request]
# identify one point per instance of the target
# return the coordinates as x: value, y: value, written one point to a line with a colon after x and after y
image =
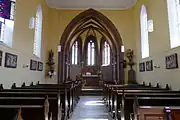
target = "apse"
x: 91, y: 46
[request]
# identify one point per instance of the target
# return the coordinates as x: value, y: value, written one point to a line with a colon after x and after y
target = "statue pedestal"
x: 131, y: 75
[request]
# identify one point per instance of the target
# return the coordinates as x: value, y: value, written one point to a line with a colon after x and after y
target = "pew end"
x: 144, y: 84
x: 150, y: 85
x: 32, y: 84
x: 19, y: 114
x: 168, y: 87
x: 23, y: 85
x: 157, y: 85
x: 38, y: 83
x: 1, y: 87
x: 13, y: 86
x: 46, y: 108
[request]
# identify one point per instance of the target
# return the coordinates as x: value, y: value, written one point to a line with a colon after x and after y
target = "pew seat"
x: 128, y: 101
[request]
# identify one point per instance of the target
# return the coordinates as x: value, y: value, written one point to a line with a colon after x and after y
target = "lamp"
x: 25, y: 65
x: 150, y: 26
x: 59, y: 48
x: 122, y: 48
x: 32, y: 23
x: 51, y: 73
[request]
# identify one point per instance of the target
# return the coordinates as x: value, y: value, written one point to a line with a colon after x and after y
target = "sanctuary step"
x: 92, y: 90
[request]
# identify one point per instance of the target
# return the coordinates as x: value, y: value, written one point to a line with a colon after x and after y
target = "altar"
x: 91, y: 80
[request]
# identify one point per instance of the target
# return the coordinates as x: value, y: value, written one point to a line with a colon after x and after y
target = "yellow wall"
x: 126, y: 21
x: 23, y: 44
x: 123, y: 20
x: 159, y: 42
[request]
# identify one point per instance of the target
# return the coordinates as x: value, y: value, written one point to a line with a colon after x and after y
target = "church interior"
x: 89, y: 60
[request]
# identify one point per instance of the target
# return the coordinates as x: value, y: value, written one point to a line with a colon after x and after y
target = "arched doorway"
x: 91, y: 22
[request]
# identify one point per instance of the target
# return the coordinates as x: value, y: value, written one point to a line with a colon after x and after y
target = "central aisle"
x: 90, y: 108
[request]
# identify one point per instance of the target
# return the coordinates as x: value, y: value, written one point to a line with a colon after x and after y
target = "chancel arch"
x: 91, y: 23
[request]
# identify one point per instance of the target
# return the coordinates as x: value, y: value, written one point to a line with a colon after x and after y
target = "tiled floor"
x: 90, y: 108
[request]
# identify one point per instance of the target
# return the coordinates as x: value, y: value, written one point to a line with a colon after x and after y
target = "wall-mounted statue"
x: 130, y: 55
x: 51, y: 63
x: 131, y: 73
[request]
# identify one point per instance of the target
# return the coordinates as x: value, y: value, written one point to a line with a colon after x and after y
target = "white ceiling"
x: 95, y: 4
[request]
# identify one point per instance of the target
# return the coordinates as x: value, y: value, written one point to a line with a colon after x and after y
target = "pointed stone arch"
x: 91, y: 18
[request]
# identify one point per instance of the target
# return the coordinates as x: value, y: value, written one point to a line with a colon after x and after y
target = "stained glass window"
x: 7, y: 15
x: 91, y: 53
x: 38, y: 33
x: 5, y: 8
x: 106, y: 54
x: 75, y: 53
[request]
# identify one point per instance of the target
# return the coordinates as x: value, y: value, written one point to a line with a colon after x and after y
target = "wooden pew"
x: 10, y: 109
x: 30, y: 97
x: 110, y: 96
x: 34, y: 94
x: 68, y: 95
x: 113, y: 100
x: 73, y: 93
x: 148, y: 97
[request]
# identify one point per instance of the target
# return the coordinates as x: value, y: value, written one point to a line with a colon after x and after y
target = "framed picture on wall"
x: 33, y: 65
x: 172, y: 61
x: 142, y: 67
x: 1, y: 54
x: 149, y: 65
x: 10, y: 60
x: 40, y: 66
